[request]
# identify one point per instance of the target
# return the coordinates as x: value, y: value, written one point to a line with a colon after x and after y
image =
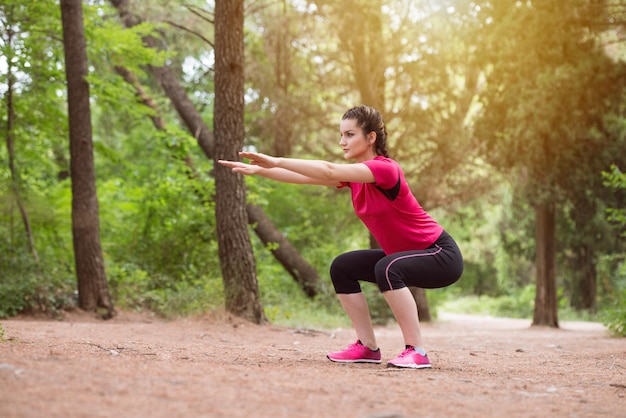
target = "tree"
x: 235, y: 249
x: 9, y: 136
x: 166, y: 76
x: 92, y: 284
x: 543, y: 117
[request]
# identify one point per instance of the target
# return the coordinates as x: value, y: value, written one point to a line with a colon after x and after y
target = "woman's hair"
x: 370, y: 120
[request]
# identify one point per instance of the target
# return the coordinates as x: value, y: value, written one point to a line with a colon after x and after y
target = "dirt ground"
x: 140, y: 366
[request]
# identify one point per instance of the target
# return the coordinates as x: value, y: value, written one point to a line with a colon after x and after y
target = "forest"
x: 508, y: 118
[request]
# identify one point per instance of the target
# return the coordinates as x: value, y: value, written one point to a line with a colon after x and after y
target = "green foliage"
x: 27, y: 286
x: 15, y: 294
x: 614, y: 317
x: 616, y: 180
x: 159, y: 237
x: 285, y: 303
x: 533, y: 118
x: 518, y: 304
x: 33, y: 60
x: 613, y: 297
x: 318, y: 221
x: 168, y: 297
x: 302, y: 214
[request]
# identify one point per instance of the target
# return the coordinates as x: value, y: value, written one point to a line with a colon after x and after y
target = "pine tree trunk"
x: 586, y: 276
x: 235, y: 249
x: 93, y: 289
x: 546, y: 312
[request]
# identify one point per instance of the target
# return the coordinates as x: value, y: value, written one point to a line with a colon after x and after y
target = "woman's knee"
x: 339, y: 267
x: 340, y: 275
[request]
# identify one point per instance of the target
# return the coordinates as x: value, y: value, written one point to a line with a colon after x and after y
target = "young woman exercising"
x: 416, y: 250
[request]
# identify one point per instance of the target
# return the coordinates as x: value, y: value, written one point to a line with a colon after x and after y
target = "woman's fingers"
x: 227, y: 163
x: 239, y: 167
x: 259, y: 159
x: 250, y: 155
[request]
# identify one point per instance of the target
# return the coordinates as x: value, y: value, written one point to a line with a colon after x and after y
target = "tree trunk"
x: 585, y: 279
x: 583, y: 256
x: 546, y: 312
x: 287, y: 255
x: 93, y: 289
x: 235, y: 250
x: 15, y: 178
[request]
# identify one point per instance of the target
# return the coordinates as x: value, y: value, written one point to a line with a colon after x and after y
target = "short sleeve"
x: 385, y: 171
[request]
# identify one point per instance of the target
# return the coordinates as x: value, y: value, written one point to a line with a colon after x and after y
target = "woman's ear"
x: 371, y: 137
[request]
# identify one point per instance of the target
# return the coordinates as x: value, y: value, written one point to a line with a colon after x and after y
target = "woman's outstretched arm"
x: 321, y: 171
x: 275, y: 173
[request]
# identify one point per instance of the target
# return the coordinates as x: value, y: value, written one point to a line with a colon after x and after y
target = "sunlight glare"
x: 302, y: 6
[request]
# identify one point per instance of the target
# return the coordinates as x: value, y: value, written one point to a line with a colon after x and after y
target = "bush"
x: 518, y: 304
x: 30, y: 287
x: 135, y: 289
x: 614, y: 318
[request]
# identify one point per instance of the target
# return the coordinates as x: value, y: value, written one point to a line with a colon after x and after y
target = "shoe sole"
x: 410, y: 366
x: 354, y: 361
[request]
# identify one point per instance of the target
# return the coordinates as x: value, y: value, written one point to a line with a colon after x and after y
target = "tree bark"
x: 93, y: 289
x: 235, y: 249
x: 582, y: 258
x: 546, y: 312
x: 585, y: 279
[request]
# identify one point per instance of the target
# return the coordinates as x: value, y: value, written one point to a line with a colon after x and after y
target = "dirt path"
x: 137, y: 366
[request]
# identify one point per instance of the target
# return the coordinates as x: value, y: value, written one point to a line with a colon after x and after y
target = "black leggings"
x: 437, y: 266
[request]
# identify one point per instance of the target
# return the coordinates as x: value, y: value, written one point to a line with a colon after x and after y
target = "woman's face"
x: 355, y: 145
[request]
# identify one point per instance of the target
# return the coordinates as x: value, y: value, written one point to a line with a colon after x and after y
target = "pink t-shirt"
x: 392, y: 215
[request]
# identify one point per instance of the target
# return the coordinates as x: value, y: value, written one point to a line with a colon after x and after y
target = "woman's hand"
x: 239, y: 167
x: 257, y: 163
x: 262, y: 160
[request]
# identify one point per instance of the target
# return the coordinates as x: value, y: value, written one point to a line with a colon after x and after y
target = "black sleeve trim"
x: 393, y: 192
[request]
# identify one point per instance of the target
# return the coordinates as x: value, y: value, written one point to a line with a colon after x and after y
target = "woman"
x: 416, y: 251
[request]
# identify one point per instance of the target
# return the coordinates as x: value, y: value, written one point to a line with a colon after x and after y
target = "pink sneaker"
x: 411, y: 359
x: 355, y: 353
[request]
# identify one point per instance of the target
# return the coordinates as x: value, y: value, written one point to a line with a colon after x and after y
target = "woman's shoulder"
x: 382, y: 162
x: 387, y: 172
x: 382, y: 159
